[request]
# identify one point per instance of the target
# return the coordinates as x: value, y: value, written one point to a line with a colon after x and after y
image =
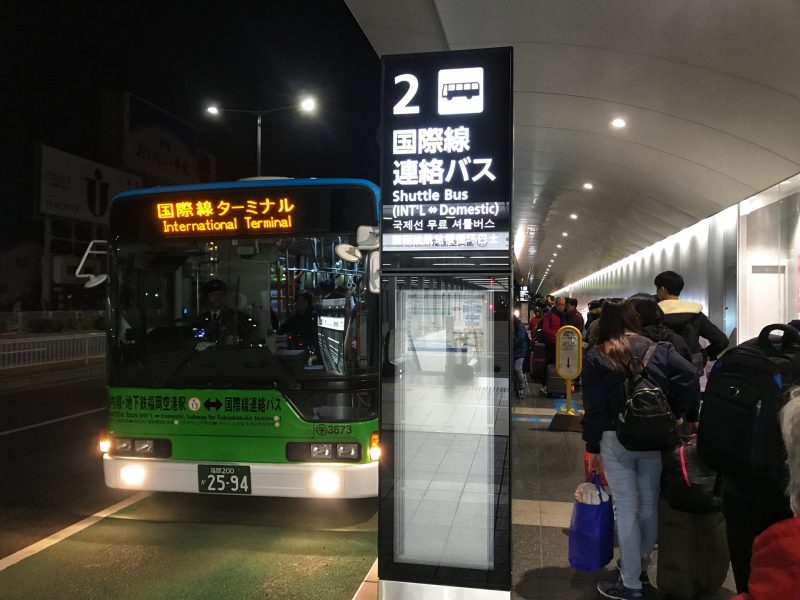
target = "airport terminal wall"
x: 741, y: 264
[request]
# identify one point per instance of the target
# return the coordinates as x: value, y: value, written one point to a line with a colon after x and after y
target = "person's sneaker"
x: 643, y: 577
x: 618, y: 591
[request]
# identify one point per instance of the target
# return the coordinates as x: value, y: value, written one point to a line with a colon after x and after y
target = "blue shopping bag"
x: 591, y: 533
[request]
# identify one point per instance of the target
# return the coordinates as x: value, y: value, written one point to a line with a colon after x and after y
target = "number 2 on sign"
x: 402, y: 107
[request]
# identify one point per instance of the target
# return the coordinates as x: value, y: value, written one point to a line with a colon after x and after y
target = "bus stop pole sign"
x: 569, y: 358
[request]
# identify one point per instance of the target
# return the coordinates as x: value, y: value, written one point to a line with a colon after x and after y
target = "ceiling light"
x: 565, y: 234
x: 555, y: 253
x: 587, y: 186
x: 618, y: 123
x: 558, y: 245
x: 573, y: 216
x: 551, y: 260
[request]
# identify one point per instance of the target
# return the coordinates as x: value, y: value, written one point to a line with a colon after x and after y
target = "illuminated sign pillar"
x: 446, y: 294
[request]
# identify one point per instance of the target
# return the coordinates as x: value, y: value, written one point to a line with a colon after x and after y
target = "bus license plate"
x: 223, y: 479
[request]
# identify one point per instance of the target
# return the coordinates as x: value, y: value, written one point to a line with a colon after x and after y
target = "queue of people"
x: 670, y: 341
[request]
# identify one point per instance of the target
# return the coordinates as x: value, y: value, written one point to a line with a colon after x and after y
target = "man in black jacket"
x: 687, y: 320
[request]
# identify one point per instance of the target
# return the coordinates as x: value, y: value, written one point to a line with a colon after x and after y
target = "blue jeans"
x: 519, y: 375
x: 635, y: 481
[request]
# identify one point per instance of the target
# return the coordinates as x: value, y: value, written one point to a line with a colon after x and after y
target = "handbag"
x: 591, y: 532
x: 689, y: 484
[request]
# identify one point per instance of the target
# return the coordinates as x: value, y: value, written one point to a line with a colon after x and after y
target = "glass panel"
x: 769, y: 238
x: 450, y: 420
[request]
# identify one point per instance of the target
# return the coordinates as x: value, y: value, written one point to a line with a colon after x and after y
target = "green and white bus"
x: 217, y: 382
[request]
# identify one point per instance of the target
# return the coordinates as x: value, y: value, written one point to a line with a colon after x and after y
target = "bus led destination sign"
x: 224, y: 217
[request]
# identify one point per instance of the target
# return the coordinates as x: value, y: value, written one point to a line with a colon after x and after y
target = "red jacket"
x: 551, y: 323
x: 775, y: 566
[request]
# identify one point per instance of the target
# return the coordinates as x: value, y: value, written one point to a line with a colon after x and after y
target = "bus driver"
x: 220, y: 321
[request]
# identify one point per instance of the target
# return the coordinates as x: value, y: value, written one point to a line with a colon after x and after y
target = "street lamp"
x: 307, y: 104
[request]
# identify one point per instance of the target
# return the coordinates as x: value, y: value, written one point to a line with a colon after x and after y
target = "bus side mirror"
x: 92, y: 280
x: 374, y: 272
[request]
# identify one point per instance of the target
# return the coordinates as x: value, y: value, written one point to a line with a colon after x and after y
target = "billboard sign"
x: 74, y: 187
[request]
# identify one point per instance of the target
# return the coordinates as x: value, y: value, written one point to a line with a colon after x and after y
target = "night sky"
x: 57, y: 59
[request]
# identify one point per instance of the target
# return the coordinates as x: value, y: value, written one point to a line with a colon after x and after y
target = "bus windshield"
x: 246, y: 312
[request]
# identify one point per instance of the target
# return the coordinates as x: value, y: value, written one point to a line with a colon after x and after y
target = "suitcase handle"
x: 790, y: 335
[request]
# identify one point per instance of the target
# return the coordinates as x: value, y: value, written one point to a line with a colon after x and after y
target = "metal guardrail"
x: 36, y: 321
x: 44, y: 350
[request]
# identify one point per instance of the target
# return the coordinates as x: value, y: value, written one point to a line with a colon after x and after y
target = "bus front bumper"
x: 296, y: 480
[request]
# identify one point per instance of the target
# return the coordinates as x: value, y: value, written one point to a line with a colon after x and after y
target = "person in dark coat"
x: 221, y: 322
x: 633, y: 476
x: 775, y: 564
x: 572, y: 316
x: 687, y: 320
x: 651, y: 320
x: 301, y: 327
x: 521, y: 347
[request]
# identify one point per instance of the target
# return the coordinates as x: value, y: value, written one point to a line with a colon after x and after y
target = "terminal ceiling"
x: 709, y: 92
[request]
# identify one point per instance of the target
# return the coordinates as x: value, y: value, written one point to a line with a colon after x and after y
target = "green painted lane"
x: 190, y: 546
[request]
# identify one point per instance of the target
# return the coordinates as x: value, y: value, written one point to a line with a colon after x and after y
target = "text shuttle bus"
x: 204, y: 395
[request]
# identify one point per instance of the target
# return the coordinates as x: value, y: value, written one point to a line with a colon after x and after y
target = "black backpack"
x: 739, y: 434
x: 645, y: 421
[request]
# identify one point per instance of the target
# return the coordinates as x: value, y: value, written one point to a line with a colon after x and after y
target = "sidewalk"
x: 547, y: 466
x: 26, y: 378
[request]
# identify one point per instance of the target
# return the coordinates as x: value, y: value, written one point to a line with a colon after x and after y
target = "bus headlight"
x: 346, y: 450
x: 374, y: 446
x: 326, y: 482
x: 321, y: 450
x: 105, y: 445
x: 132, y: 474
x: 123, y: 445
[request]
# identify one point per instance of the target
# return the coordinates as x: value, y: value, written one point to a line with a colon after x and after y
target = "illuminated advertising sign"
x: 446, y: 161
x: 240, y: 211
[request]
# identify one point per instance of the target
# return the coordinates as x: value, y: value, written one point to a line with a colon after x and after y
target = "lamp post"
x: 306, y: 104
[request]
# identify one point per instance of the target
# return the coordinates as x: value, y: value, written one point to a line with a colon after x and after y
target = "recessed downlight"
x: 558, y: 245
x: 618, y: 123
x: 588, y: 186
x: 573, y: 216
x: 555, y: 253
x: 565, y: 234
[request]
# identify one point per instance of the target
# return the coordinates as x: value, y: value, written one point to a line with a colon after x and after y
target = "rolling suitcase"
x: 538, y: 362
x: 555, y: 385
x: 692, y: 553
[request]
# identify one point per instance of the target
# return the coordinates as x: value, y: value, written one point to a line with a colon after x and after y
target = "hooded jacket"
x: 775, y: 566
x: 604, y: 389
x: 688, y: 321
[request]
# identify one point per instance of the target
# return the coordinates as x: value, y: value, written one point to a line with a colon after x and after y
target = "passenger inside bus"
x: 301, y: 327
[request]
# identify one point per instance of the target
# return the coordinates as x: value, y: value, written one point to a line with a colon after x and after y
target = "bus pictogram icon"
x: 460, y: 91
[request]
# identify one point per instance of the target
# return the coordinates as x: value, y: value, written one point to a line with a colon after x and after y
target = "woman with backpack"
x: 622, y: 353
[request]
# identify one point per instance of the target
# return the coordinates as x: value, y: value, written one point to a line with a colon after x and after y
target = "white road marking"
x: 37, y: 547
x: 43, y: 423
